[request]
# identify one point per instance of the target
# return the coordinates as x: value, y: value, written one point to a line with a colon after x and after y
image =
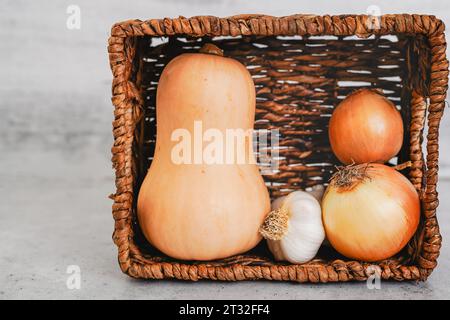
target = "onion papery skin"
x: 365, y: 127
x: 373, y: 218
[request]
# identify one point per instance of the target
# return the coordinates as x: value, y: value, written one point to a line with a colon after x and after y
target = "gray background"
x: 55, y: 170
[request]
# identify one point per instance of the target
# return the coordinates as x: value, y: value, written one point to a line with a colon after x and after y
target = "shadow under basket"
x: 302, y: 66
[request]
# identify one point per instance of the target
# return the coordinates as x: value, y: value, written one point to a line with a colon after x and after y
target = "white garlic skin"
x: 305, y: 231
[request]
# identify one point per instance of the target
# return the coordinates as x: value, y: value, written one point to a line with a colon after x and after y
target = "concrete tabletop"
x: 55, y: 169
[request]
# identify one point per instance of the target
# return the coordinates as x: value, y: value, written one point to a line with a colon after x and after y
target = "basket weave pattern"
x: 298, y: 82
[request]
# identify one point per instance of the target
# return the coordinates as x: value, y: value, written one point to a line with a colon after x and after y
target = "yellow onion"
x: 365, y: 127
x: 370, y: 211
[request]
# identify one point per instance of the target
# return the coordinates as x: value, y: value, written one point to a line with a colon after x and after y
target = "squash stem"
x: 210, y: 48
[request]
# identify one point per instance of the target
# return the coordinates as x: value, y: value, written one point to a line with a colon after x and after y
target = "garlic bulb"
x: 294, y: 229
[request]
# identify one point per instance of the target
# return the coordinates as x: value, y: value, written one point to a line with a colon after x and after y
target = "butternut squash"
x: 203, y: 210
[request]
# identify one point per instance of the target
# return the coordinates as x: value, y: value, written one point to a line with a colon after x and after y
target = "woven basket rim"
x: 126, y: 99
x: 305, y: 24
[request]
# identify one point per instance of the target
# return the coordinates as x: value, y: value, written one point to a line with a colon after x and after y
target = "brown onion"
x: 365, y: 127
x: 370, y: 211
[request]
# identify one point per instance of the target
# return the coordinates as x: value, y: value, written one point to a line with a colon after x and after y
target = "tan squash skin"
x: 201, y: 211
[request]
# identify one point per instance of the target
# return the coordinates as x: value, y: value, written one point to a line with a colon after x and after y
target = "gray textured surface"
x: 55, y: 172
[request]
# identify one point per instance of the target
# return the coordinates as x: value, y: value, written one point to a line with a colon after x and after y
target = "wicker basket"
x: 302, y: 65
